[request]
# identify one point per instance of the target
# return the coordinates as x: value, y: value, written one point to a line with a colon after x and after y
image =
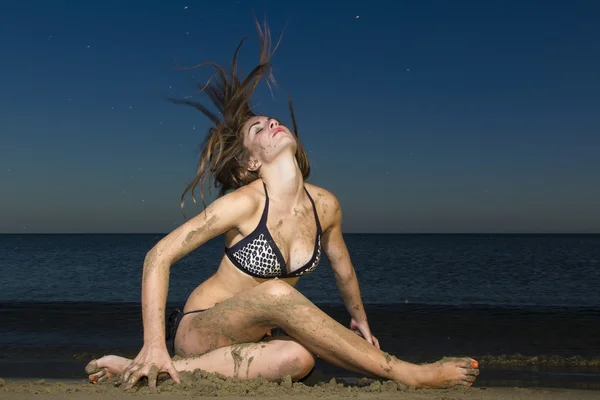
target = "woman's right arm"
x: 222, y: 215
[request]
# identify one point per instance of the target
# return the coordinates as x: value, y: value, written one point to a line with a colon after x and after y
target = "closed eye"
x: 250, y: 129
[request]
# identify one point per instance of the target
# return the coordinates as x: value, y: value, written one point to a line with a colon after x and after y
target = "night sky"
x: 420, y: 116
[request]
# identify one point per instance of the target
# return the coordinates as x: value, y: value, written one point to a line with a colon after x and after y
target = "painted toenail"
x: 475, y: 364
x: 91, y: 377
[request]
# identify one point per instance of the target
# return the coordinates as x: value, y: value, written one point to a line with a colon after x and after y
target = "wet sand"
x: 201, y: 385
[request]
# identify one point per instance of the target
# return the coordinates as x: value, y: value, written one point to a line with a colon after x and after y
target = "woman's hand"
x: 362, y: 329
x: 151, y: 361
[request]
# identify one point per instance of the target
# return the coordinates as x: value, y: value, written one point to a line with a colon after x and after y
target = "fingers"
x: 127, y: 372
x: 365, y: 333
x: 133, y: 368
x: 152, y: 376
x: 376, y: 342
x: 133, y: 375
x: 132, y: 380
x: 174, y: 374
x: 369, y: 338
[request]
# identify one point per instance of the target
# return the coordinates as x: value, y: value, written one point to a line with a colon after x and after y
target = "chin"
x: 287, y: 148
x: 292, y: 145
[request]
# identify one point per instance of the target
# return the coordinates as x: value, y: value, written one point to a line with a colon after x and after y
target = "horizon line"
x: 345, y: 233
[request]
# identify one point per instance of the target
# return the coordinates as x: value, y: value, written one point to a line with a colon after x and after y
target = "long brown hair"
x: 223, y: 154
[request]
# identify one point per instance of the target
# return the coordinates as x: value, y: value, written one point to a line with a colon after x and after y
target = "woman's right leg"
x: 273, y: 359
x: 246, y: 316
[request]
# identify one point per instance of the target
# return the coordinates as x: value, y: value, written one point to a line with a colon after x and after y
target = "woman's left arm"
x: 345, y: 275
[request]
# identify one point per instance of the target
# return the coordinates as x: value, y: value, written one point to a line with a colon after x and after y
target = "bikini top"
x: 258, y: 255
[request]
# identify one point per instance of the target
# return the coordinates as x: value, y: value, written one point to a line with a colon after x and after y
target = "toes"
x: 466, y: 380
x: 97, y: 375
x: 469, y: 377
x: 105, y: 378
x: 471, y: 362
x: 468, y: 363
x: 464, y: 362
x: 92, y: 367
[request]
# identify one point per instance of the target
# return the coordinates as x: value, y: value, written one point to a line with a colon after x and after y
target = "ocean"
x: 527, y: 306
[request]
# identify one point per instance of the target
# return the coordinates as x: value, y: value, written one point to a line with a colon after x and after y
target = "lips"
x: 276, y: 131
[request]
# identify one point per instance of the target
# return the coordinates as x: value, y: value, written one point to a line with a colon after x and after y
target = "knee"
x: 277, y: 288
x: 296, y: 361
x: 304, y: 363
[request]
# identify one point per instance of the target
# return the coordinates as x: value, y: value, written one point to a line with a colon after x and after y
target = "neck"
x: 284, y: 179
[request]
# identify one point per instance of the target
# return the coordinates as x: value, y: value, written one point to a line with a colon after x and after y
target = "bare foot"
x: 449, y: 372
x: 106, y: 368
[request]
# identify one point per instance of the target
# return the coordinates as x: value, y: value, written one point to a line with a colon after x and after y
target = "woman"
x: 276, y: 227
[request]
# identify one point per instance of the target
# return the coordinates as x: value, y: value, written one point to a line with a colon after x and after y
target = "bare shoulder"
x: 328, y: 205
x: 242, y: 202
x: 222, y: 215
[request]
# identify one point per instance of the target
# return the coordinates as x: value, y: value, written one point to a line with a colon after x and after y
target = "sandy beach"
x: 201, y: 385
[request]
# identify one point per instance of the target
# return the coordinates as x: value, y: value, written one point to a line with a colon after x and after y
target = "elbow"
x: 154, y: 265
x: 346, y: 277
x: 153, y: 257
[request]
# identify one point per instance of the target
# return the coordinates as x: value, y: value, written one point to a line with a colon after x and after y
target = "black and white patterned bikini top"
x: 258, y: 255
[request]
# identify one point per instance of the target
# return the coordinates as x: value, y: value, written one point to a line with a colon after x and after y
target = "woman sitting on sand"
x: 276, y: 227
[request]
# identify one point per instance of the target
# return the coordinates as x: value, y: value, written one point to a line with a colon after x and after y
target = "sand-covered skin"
x: 201, y: 385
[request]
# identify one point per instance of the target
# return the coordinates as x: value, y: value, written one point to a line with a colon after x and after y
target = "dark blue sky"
x: 421, y: 116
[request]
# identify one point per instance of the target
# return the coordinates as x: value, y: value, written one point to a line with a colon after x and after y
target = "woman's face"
x: 265, y: 138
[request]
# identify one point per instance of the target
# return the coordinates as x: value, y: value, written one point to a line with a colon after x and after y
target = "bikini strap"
x: 263, y: 219
x: 319, y: 230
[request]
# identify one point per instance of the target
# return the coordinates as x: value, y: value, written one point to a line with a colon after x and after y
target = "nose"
x: 273, y: 123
